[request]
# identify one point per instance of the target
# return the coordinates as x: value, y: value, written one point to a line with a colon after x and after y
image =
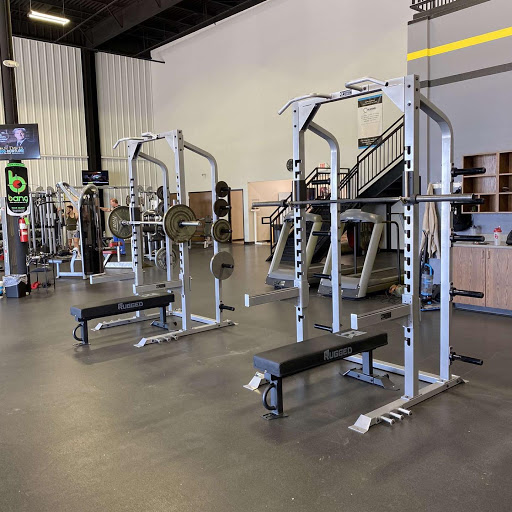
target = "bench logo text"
x: 335, y: 354
x: 131, y: 305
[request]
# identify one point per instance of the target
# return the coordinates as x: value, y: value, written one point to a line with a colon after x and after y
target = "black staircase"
x: 378, y: 170
x: 428, y: 5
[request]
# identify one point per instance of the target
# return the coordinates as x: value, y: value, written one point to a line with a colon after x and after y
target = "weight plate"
x: 50, y: 190
x: 289, y: 165
x: 149, y: 189
x: 127, y: 200
x: 173, y: 218
x: 221, y: 231
x: 39, y: 189
x: 222, y: 265
x: 221, y: 189
x: 161, y: 258
x: 221, y: 208
x: 140, y: 189
x: 160, y: 209
x: 115, y: 222
x: 160, y: 193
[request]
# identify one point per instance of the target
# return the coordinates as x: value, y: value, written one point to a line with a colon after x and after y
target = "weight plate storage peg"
x: 222, y: 189
x: 221, y: 231
x: 221, y: 208
x: 222, y: 265
x: 118, y: 222
x: 180, y: 223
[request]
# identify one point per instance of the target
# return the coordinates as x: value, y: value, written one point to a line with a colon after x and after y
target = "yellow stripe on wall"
x: 463, y: 43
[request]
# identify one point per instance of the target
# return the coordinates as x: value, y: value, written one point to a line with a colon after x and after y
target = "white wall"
x: 125, y: 109
x: 224, y: 85
x: 50, y: 93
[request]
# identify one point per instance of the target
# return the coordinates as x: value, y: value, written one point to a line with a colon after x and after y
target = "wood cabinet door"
x: 469, y: 264
x: 499, y: 279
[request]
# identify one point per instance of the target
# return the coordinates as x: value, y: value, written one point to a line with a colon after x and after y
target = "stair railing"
x: 428, y: 5
x: 375, y: 161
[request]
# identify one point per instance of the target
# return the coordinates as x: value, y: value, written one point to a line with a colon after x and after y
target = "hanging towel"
x: 430, y: 238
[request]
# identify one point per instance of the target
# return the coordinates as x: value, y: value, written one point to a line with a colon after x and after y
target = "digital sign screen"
x: 19, y: 142
x: 95, y: 177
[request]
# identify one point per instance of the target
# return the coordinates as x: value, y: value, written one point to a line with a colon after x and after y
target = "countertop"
x: 489, y: 238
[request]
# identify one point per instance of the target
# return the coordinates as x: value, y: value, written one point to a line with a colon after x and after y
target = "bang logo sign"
x: 16, y: 178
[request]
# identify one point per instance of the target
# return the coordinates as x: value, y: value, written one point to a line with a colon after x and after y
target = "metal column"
x: 299, y: 226
x: 411, y: 233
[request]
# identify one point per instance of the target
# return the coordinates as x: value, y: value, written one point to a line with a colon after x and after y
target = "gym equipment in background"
x: 357, y: 285
x: 179, y: 224
x: 405, y: 93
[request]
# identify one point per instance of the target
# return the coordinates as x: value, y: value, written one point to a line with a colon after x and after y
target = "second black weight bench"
x: 85, y: 312
x: 288, y: 360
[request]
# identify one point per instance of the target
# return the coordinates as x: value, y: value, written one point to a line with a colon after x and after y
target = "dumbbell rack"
x: 178, y: 145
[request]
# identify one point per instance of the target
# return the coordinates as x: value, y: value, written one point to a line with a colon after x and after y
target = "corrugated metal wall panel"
x: 50, y: 93
x: 125, y: 109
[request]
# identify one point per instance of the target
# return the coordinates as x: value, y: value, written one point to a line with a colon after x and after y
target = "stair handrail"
x: 353, y: 174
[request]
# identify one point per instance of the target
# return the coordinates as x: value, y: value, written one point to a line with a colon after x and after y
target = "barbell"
x: 179, y: 223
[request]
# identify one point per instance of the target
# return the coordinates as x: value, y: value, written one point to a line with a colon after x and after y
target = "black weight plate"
x: 115, y: 222
x: 221, y: 208
x: 221, y: 231
x: 221, y: 189
x: 160, y: 209
x: 160, y: 193
x: 127, y: 200
x: 289, y: 165
x: 173, y: 218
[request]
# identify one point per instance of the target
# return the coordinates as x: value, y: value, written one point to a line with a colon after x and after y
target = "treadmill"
x: 281, y: 275
x: 358, y: 284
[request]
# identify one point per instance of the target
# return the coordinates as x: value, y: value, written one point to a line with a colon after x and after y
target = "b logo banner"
x: 18, y: 199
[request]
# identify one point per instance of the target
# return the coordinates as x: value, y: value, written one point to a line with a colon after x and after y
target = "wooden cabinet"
x: 498, y: 289
x: 469, y: 272
x: 483, y: 269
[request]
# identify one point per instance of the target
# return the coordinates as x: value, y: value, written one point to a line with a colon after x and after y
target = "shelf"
x: 494, y: 187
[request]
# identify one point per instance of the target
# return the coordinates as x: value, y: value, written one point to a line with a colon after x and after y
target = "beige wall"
x: 224, y: 85
x: 264, y: 191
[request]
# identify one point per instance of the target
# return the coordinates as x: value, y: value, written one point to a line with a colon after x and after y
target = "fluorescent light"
x: 47, y: 17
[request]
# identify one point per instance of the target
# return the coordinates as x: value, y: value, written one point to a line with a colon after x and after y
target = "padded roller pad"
x: 297, y: 357
x: 122, y: 305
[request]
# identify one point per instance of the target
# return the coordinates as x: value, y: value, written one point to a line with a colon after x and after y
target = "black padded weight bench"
x: 288, y: 360
x: 85, y: 312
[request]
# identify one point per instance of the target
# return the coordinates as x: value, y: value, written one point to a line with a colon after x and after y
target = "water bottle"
x: 427, y: 282
x: 497, y: 235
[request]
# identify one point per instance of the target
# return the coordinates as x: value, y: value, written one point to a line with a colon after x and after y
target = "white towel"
x: 430, y: 237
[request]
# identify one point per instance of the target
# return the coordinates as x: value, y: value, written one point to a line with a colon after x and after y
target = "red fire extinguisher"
x: 22, y: 226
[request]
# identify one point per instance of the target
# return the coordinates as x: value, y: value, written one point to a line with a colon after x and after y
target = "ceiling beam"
x: 130, y: 16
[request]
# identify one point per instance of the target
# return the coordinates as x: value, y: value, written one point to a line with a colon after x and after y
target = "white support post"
x: 411, y: 233
x: 175, y: 140
x: 300, y: 278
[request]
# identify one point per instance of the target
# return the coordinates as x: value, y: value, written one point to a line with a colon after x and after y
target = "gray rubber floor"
x: 169, y: 427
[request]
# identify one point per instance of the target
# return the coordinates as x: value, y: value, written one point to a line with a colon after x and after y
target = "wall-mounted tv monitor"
x: 95, y: 177
x: 19, y: 142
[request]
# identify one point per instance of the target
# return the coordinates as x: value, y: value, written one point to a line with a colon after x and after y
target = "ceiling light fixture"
x: 48, y: 17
